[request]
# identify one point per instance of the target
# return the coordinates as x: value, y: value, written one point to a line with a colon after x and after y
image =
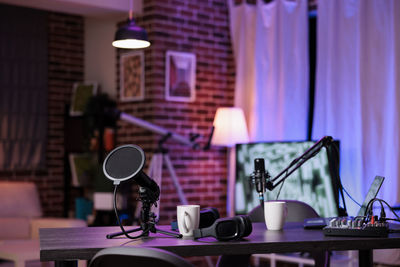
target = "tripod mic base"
x: 168, y: 233
x: 151, y: 228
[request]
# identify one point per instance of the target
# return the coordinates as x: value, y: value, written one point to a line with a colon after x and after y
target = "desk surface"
x: 58, y: 244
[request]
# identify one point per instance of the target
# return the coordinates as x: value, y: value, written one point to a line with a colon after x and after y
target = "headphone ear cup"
x: 248, y: 225
x: 245, y: 225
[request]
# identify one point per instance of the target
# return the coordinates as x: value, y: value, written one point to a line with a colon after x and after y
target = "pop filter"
x: 126, y: 162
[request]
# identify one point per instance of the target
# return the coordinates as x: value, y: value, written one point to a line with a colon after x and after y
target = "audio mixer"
x: 356, y: 226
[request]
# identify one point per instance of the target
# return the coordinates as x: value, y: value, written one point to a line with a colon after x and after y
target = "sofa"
x: 21, y: 214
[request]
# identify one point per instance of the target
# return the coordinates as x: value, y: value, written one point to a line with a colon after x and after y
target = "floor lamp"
x: 230, y: 129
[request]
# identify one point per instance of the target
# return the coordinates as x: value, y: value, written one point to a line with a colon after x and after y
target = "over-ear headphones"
x: 208, y: 216
x: 227, y: 228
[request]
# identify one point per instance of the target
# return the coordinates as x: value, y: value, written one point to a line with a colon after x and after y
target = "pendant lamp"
x: 131, y: 36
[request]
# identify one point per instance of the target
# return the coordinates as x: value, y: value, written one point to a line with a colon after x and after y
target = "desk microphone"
x: 259, y: 177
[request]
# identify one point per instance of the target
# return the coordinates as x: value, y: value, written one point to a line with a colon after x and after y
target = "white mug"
x: 275, y: 213
x: 188, y: 217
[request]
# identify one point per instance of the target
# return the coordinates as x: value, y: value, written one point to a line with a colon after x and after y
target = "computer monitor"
x: 313, y: 183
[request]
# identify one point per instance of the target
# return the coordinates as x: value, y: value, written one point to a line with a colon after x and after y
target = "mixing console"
x: 350, y: 226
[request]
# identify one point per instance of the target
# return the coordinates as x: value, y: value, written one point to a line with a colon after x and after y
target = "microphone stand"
x: 147, y: 218
x: 261, y: 178
x: 296, y: 163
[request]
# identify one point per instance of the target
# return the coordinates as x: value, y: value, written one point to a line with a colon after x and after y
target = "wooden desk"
x: 70, y: 244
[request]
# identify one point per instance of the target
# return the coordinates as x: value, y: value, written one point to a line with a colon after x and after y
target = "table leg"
x: 365, y: 258
x: 233, y: 260
x: 66, y: 263
x: 321, y: 258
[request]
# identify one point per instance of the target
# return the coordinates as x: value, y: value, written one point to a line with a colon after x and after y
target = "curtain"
x: 357, y: 91
x: 270, y: 44
x: 23, y: 88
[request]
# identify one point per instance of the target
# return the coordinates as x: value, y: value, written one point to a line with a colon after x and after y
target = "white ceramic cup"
x: 188, y: 217
x: 275, y: 214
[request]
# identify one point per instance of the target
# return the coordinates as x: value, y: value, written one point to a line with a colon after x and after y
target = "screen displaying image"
x: 311, y: 183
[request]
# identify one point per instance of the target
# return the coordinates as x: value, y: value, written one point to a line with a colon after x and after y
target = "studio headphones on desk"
x: 223, y: 229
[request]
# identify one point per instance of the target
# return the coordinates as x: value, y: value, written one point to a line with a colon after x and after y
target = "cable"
x: 391, y: 209
x: 280, y: 188
x: 279, y: 192
x: 119, y: 221
x: 347, y: 193
x: 370, y: 208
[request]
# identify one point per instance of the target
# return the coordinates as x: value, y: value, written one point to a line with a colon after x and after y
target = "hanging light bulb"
x: 131, y: 36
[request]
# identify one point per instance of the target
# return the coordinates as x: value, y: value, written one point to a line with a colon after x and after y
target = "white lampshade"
x: 229, y: 127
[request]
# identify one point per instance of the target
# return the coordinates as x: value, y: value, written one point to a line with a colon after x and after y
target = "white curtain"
x: 270, y: 43
x: 357, y: 91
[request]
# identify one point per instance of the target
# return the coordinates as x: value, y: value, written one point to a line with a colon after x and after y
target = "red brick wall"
x: 202, y: 28
x: 199, y: 27
x: 65, y: 57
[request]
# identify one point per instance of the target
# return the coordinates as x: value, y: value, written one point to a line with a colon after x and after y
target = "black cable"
x: 280, y: 188
x: 279, y: 192
x: 370, y: 208
x: 391, y: 209
x: 119, y: 221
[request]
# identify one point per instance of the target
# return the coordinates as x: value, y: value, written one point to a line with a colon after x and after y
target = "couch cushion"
x: 15, y: 228
x: 19, y: 199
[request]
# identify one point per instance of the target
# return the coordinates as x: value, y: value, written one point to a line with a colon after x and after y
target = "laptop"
x: 318, y: 223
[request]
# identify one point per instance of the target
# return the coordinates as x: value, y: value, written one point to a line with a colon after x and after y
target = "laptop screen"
x: 372, y: 192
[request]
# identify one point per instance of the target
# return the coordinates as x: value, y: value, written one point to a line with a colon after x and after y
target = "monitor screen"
x: 312, y: 183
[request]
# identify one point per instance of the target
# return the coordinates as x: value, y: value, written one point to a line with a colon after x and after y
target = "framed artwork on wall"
x: 180, y: 76
x: 132, y: 76
x: 81, y: 93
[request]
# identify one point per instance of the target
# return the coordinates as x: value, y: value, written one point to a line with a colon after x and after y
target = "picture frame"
x: 81, y: 93
x: 132, y: 76
x: 180, y: 76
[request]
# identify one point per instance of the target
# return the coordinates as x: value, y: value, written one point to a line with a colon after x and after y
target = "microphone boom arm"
x: 298, y: 162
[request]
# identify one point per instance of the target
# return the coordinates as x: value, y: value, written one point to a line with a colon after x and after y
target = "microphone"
x: 126, y: 162
x: 259, y: 177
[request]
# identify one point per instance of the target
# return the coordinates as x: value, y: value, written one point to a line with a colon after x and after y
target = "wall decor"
x: 81, y: 93
x: 180, y: 76
x: 132, y: 76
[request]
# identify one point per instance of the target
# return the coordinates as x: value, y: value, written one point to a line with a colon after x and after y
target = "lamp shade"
x: 229, y: 127
x: 131, y: 36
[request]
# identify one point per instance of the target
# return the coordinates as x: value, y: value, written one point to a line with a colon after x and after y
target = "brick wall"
x: 65, y: 66
x: 201, y: 28
x: 66, y: 53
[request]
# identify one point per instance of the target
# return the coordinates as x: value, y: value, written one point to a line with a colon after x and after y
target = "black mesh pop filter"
x: 126, y: 162
x: 123, y: 163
